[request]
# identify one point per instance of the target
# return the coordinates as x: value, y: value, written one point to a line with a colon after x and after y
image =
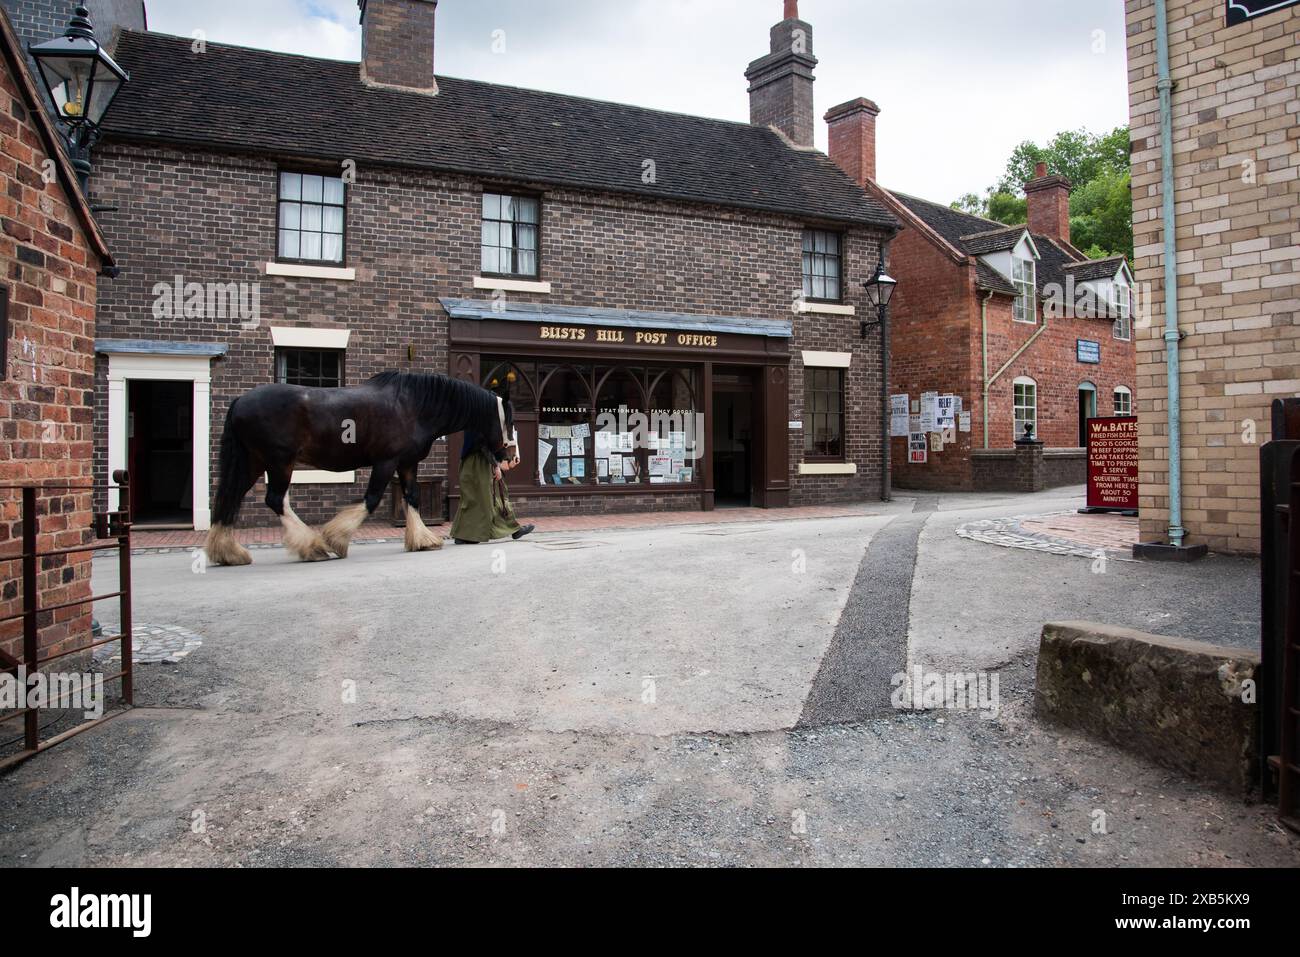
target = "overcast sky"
x: 960, y: 82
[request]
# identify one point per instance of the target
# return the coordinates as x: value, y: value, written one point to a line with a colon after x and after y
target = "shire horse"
x: 389, y: 424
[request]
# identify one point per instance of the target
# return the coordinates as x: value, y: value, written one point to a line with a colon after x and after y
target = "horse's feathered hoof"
x: 222, y: 549
x: 304, y: 543
x: 419, y: 537
x: 338, y: 533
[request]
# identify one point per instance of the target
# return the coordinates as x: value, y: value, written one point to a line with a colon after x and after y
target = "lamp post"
x: 880, y: 290
x: 82, y: 81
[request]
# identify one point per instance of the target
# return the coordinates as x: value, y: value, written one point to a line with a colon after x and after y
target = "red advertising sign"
x: 1113, y: 464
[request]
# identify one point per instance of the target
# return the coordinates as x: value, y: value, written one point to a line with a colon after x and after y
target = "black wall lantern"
x: 880, y: 290
x: 82, y: 81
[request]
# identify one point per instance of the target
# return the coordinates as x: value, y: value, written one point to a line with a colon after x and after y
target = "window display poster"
x: 562, y: 468
x: 544, y: 450
x: 563, y: 447
x: 602, y: 468
x: 581, y: 431
x: 616, y: 467
x: 579, y: 468
x: 603, y: 444
x: 686, y: 476
x: 543, y: 431
x: 918, y: 451
x: 578, y: 446
x: 661, y: 465
x: 626, y: 442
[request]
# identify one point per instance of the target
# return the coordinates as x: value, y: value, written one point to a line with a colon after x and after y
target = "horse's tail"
x: 233, y: 467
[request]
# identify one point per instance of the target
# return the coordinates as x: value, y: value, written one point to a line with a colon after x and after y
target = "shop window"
x: 311, y: 218
x: 824, y: 414
x: 316, y: 368
x: 822, y: 265
x: 675, y: 446
x: 1025, y: 395
x: 641, y: 428
x: 565, y: 453
x: 511, y: 228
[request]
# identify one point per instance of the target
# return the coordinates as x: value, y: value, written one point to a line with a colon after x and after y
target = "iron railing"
x: 108, y: 527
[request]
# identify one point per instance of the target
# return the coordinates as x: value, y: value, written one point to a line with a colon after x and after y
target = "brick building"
x: 583, y: 257
x: 1236, y: 170
x: 1013, y: 321
x: 51, y: 253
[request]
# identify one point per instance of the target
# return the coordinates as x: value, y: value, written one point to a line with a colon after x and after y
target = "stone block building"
x: 1236, y: 171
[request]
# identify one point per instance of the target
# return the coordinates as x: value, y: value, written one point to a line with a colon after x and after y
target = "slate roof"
x: 247, y: 100
x: 1096, y: 269
x: 977, y: 236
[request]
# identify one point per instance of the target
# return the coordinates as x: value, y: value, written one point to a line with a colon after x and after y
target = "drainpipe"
x: 988, y: 382
x: 886, y: 485
x: 1165, y: 86
x: 984, y: 337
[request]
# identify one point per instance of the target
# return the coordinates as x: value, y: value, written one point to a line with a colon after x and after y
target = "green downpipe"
x: 1173, y: 335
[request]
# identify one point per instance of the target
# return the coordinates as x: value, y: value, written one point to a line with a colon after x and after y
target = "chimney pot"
x: 1040, y: 170
x: 781, y: 83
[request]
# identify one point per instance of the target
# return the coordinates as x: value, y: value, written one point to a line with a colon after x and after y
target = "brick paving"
x: 1062, y: 533
x: 145, y: 540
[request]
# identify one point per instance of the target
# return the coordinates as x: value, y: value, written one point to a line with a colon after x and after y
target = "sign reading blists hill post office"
x: 1113, y: 464
x: 1239, y: 11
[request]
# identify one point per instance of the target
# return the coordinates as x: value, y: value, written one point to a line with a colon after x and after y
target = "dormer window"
x: 1024, y: 276
x: 1122, y: 309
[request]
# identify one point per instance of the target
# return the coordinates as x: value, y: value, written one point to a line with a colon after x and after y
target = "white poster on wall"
x: 929, y: 411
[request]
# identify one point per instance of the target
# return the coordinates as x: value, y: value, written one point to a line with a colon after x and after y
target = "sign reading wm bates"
x: 1239, y: 11
x: 1113, y: 464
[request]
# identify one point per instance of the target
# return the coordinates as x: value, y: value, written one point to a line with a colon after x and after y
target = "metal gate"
x: 108, y: 528
x: 1279, y: 692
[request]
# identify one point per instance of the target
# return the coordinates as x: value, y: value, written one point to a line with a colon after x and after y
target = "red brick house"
x: 1013, y: 321
x: 51, y: 253
x: 584, y: 257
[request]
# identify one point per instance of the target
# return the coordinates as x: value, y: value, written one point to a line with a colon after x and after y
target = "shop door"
x: 734, y: 431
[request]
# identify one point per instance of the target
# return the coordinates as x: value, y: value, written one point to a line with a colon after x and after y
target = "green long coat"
x: 483, y: 501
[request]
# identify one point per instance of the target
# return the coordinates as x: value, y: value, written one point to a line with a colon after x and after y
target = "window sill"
x: 304, y: 271
x: 828, y: 468
x: 826, y: 308
x: 512, y: 285
x: 312, y: 477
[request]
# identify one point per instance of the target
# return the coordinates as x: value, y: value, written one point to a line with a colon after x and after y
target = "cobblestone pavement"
x: 1061, y: 533
x: 145, y: 541
x: 151, y: 644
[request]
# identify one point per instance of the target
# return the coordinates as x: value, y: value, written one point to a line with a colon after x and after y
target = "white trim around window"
x: 286, y: 337
x: 826, y: 308
x: 828, y: 468
x: 828, y: 360
x: 1123, y: 400
x: 512, y: 285
x: 304, y: 271
x: 1024, y: 402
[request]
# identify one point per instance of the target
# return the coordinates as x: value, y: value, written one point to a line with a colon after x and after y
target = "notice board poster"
x: 1113, y: 464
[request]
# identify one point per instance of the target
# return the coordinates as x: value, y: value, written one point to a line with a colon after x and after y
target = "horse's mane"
x: 442, y: 398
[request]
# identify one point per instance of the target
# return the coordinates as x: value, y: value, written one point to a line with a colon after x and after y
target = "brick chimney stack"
x: 853, y: 138
x: 397, y: 44
x: 781, y: 83
x: 1048, y: 197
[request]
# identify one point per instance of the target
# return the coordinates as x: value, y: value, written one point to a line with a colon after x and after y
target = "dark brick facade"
x: 414, y: 237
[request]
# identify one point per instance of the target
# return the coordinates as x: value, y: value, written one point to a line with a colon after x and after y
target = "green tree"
x: 1101, y: 212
